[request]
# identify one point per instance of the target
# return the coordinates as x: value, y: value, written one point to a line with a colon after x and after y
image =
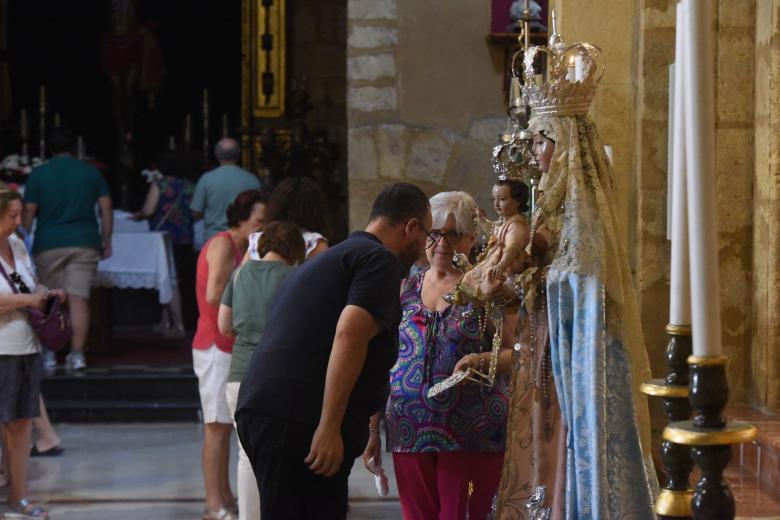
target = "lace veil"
x: 578, y: 207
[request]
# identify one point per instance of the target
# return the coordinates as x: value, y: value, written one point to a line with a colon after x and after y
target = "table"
x: 140, y: 260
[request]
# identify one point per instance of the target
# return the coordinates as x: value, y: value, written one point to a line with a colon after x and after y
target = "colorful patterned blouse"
x: 179, y: 224
x: 468, y: 417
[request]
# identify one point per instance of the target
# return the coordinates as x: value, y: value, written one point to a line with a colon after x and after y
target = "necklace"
x: 536, y: 220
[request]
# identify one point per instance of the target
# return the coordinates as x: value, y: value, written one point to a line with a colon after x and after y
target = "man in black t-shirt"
x: 321, y: 369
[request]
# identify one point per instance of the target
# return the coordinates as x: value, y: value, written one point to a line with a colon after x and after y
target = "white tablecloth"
x: 124, y: 224
x: 140, y: 261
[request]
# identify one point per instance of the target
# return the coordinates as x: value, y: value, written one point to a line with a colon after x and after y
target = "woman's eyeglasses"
x: 434, y: 235
x: 17, y: 279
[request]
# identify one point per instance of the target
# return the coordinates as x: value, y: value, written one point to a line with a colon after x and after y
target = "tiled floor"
x: 151, y: 472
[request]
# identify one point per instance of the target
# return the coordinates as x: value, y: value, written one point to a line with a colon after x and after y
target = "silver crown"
x: 573, y: 72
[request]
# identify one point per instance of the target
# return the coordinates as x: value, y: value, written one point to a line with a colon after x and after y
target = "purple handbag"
x: 51, y: 324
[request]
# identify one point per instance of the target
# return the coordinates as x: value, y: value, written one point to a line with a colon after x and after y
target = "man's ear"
x: 410, y: 226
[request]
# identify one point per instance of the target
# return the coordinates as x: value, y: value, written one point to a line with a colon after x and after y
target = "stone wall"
x: 423, y: 96
x: 643, y: 33
x: 766, y: 230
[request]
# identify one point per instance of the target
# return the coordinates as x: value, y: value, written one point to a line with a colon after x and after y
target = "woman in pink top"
x: 211, y: 350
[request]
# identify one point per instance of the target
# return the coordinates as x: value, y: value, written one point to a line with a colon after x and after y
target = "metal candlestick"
x: 674, y: 501
x: 710, y: 437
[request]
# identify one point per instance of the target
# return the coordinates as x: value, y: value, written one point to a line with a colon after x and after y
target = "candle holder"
x: 710, y: 437
x: 674, y: 500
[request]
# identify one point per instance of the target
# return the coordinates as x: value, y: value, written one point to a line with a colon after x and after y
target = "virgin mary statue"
x: 596, y: 352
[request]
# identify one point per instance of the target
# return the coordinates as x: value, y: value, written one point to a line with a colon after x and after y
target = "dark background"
x: 57, y: 43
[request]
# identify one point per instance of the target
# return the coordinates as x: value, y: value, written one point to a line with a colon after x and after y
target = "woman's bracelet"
x: 372, y: 431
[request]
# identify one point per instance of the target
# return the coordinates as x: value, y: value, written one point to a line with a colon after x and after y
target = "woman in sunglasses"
x: 440, y: 444
x: 20, y: 364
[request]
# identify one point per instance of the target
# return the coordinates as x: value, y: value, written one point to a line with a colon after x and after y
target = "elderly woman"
x: 20, y: 364
x: 212, y: 351
x: 442, y: 444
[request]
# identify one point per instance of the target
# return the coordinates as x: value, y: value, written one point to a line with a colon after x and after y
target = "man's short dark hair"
x: 399, y: 202
x: 61, y: 139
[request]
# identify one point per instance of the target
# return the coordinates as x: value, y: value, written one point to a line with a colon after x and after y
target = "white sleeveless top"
x: 17, y: 338
x: 310, y: 239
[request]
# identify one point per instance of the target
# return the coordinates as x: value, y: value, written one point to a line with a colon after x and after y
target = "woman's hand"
x: 472, y: 361
x: 60, y: 294
x: 35, y: 300
x: 373, y: 451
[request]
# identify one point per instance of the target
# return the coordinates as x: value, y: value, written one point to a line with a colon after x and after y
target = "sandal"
x: 24, y: 510
x: 222, y: 514
x: 233, y: 508
x: 54, y: 451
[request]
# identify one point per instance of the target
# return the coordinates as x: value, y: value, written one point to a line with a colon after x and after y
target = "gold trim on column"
x: 707, y: 360
x: 674, y: 503
x: 678, y: 330
x: 261, y: 62
x: 684, y: 432
x: 659, y: 388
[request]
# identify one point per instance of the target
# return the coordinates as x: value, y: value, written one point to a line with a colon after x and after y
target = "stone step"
x: 135, y: 393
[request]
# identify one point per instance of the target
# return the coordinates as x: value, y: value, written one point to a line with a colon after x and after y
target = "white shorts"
x: 212, y: 367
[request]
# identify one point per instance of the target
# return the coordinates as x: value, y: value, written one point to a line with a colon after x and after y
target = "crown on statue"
x: 573, y: 72
x: 513, y: 159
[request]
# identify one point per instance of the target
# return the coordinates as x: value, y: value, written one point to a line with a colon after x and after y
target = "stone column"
x: 735, y: 42
x: 766, y: 229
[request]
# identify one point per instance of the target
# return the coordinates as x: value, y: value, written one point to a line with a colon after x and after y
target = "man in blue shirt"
x: 218, y: 188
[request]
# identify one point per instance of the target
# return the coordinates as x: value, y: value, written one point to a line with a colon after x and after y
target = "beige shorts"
x: 212, y: 366
x: 69, y: 268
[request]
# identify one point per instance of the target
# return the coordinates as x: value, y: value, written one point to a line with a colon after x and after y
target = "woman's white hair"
x: 460, y: 205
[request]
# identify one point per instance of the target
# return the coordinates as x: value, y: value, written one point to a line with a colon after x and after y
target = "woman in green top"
x: 242, y: 314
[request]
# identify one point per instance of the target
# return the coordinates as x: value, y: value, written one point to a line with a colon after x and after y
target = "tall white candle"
x: 515, y: 94
x: 42, y: 124
x: 579, y: 68
x: 80, y: 147
x: 205, y: 123
x: 699, y: 103
x: 23, y: 125
x: 187, y: 130
x: 570, y: 72
x: 680, y: 286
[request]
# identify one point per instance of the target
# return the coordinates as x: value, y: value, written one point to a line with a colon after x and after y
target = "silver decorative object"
x: 535, y: 506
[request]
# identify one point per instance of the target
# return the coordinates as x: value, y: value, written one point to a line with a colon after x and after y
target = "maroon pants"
x: 434, y: 486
